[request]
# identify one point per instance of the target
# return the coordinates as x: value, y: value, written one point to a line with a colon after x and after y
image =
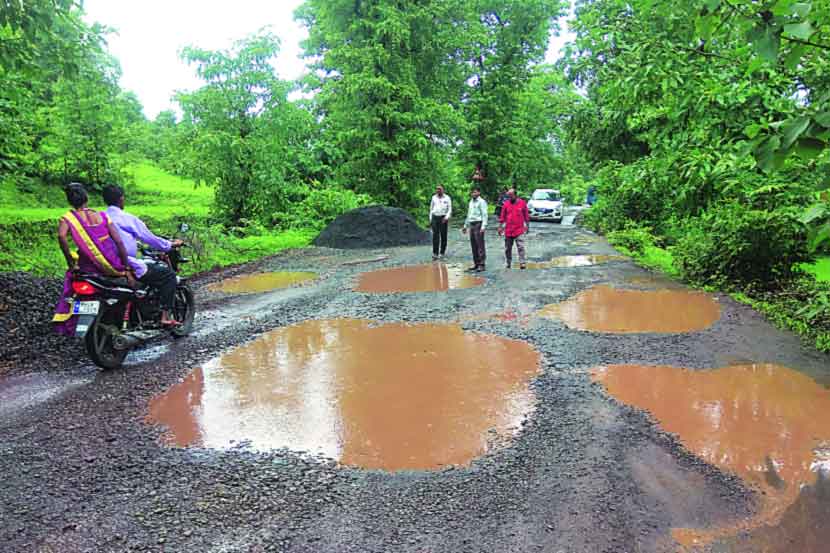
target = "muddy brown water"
x: 608, y: 309
x: 261, y: 282
x: 765, y: 423
x: 435, y: 277
x: 388, y: 396
x: 570, y: 261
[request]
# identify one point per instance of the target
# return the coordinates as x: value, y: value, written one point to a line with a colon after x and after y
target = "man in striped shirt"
x: 475, y: 224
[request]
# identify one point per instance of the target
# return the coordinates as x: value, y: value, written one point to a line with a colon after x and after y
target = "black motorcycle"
x: 114, y: 318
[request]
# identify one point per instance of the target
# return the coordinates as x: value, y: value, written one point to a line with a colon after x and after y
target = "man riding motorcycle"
x: 132, y: 230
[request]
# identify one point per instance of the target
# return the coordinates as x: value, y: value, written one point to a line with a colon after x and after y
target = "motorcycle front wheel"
x: 99, y: 340
x: 184, y: 310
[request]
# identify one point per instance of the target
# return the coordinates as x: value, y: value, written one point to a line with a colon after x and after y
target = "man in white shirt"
x: 440, y: 209
x: 476, y: 223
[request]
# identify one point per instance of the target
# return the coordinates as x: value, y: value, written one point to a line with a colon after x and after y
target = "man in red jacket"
x: 514, y: 222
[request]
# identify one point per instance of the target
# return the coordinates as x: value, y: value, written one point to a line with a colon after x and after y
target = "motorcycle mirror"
x: 184, y: 227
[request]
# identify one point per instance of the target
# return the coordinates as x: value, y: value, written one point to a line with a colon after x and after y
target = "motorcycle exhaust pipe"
x: 129, y: 340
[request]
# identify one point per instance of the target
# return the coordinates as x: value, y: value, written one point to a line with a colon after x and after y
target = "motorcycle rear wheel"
x: 99, y: 341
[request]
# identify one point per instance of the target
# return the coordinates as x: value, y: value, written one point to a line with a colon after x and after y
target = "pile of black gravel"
x: 26, y: 339
x: 375, y: 226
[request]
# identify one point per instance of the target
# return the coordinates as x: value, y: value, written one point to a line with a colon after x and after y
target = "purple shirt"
x: 133, y: 229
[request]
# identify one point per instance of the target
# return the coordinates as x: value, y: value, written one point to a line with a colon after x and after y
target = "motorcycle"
x: 114, y: 318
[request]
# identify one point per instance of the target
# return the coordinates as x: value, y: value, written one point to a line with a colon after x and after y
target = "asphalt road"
x: 81, y: 470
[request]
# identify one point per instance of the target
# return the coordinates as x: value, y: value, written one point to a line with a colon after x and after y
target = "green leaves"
x: 792, y: 129
x: 766, y: 40
x: 803, y: 30
x: 814, y: 213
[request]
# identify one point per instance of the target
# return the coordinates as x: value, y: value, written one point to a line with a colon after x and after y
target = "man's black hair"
x: 76, y: 194
x: 476, y: 189
x: 112, y: 194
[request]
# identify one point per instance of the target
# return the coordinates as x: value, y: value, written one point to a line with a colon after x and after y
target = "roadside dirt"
x: 84, y: 471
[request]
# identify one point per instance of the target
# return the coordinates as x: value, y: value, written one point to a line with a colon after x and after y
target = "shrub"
x: 730, y: 243
x: 322, y: 206
x: 633, y: 240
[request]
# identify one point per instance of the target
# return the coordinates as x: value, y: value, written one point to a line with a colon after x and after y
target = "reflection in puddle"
x: 435, y: 277
x: 261, y: 282
x: 803, y: 527
x: 765, y: 423
x: 393, y: 396
x: 607, y: 309
x: 569, y: 261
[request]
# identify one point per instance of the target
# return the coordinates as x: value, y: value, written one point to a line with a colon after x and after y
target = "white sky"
x: 150, y: 33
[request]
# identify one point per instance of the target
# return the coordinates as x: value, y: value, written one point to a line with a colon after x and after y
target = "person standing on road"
x: 440, y: 210
x: 476, y: 223
x: 514, y: 222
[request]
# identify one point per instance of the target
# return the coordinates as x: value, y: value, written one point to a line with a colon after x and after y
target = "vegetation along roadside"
x: 703, y: 127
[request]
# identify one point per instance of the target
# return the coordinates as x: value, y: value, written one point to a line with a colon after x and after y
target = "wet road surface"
x: 391, y: 396
x: 707, y: 437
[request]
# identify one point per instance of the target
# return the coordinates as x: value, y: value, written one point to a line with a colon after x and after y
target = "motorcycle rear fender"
x: 83, y: 324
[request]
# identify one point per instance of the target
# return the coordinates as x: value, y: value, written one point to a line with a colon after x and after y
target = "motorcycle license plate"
x: 86, y: 307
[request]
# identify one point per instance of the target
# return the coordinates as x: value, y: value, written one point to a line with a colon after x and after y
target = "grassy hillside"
x: 28, y: 222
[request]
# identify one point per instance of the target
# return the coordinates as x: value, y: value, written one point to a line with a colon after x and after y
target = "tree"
x: 388, y: 78
x: 507, y: 38
x: 236, y: 126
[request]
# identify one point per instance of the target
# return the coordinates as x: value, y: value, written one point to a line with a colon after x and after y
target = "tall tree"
x: 236, y: 128
x: 507, y: 38
x: 388, y: 81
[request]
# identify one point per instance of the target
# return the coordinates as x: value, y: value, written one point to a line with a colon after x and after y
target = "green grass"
x: 155, y: 187
x: 820, y: 269
x: 232, y: 251
x: 658, y: 258
x: 28, y: 243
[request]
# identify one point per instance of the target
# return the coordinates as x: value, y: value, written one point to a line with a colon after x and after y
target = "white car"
x: 546, y: 205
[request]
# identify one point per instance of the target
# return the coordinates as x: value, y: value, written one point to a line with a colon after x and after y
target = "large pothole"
x: 261, y: 282
x: 613, y: 310
x: 571, y: 261
x: 765, y: 423
x: 388, y: 396
x: 435, y: 277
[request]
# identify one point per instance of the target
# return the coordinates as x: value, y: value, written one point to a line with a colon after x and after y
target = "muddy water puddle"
x: 389, y: 396
x: 571, y: 261
x: 607, y: 309
x: 765, y: 423
x: 435, y: 277
x: 261, y: 282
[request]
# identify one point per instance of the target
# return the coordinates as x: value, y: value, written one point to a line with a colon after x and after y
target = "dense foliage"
x: 704, y: 125
x: 708, y: 123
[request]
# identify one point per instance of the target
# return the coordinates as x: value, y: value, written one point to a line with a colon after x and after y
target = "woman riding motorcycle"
x: 100, y: 251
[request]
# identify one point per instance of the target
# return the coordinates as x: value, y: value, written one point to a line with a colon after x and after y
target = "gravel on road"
x: 83, y: 471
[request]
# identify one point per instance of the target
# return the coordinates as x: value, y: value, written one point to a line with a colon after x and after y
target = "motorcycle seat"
x: 112, y: 282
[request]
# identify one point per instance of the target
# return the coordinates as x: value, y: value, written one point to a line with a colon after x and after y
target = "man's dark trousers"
x: 439, y: 234
x: 162, y: 278
x: 477, y: 244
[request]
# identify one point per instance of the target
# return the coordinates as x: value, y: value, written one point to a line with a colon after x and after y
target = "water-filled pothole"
x: 570, y: 261
x: 765, y: 423
x: 435, y: 277
x: 608, y: 309
x: 261, y: 282
x: 389, y: 396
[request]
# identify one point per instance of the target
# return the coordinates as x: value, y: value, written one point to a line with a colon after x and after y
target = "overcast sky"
x: 150, y: 33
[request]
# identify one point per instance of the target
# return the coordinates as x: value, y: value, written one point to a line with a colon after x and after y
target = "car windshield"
x: 546, y: 195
